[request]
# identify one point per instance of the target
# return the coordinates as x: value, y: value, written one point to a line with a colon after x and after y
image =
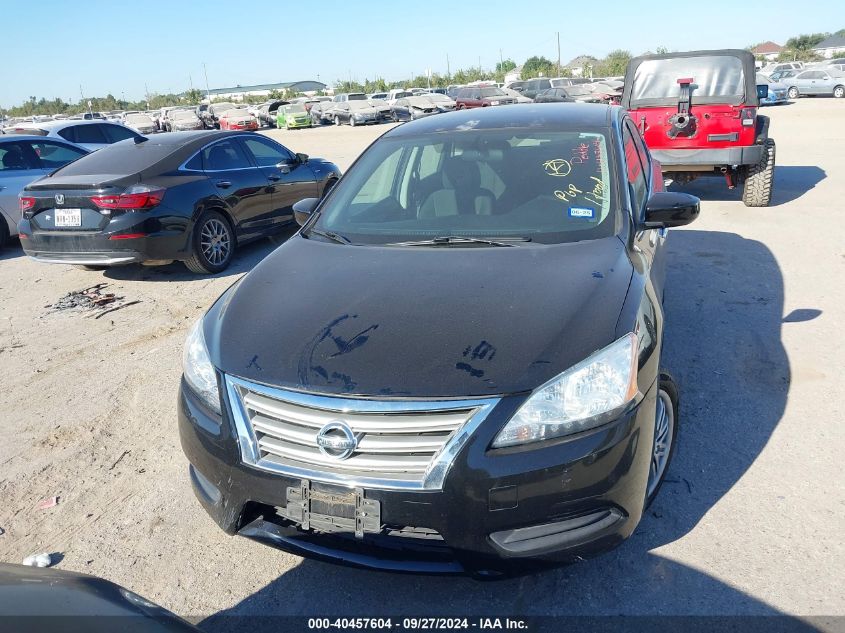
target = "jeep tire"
x: 759, y: 178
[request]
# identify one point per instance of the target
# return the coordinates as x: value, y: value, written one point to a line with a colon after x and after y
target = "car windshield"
x: 183, y: 114
x: 547, y: 186
x: 222, y: 107
x: 357, y: 96
x: 138, y: 119
x: 715, y: 79
x: 491, y: 92
x: 294, y: 108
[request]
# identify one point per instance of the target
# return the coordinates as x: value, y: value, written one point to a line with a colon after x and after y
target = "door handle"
x: 223, y: 184
x: 274, y: 177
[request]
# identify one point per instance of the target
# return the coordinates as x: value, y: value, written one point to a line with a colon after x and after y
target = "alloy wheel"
x: 664, y: 425
x: 215, y: 241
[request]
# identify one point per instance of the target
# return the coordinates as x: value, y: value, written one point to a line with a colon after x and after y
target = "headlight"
x: 198, y: 370
x: 580, y: 398
x: 494, y: 103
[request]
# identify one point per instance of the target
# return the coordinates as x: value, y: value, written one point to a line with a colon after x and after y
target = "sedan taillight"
x: 137, y: 197
x: 27, y: 203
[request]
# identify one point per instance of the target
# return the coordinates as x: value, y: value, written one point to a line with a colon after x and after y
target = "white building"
x: 830, y: 47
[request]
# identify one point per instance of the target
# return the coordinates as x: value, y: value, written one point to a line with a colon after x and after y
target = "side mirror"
x: 763, y: 91
x: 283, y: 167
x: 303, y: 209
x: 303, y: 158
x: 666, y: 209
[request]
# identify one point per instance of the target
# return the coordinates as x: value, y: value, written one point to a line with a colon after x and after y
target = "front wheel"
x: 759, y: 179
x: 665, y: 435
x: 352, y: 121
x: 793, y: 93
x: 337, y: 120
x: 213, y: 244
x: 839, y: 92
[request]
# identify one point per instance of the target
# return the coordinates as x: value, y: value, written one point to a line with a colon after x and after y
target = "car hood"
x: 418, y: 322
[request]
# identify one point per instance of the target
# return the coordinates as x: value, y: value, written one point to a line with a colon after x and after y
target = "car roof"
x: 554, y: 116
x: 14, y: 138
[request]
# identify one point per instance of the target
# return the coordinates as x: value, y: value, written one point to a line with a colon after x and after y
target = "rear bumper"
x: 677, y: 159
x: 165, y: 237
x: 496, y: 514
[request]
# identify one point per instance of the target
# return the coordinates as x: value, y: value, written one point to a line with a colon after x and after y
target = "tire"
x: 759, y: 179
x: 337, y: 120
x: 4, y: 232
x: 352, y: 121
x: 839, y: 92
x: 793, y: 93
x: 665, y: 432
x: 209, y: 255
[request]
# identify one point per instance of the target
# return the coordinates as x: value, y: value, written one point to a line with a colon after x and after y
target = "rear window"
x: 120, y: 158
x: 715, y: 79
x: 547, y: 185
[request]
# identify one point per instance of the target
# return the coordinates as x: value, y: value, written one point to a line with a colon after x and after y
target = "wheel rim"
x: 793, y: 93
x: 215, y: 242
x: 839, y: 92
x: 664, y: 425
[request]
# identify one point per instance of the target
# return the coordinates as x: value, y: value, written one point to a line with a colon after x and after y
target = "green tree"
x: 800, y: 47
x: 194, y: 95
x: 613, y: 65
x: 537, y: 67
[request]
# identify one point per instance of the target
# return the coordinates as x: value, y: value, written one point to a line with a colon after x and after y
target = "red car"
x: 481, y: 97
x: 698, y: 113
x: 238, y: 119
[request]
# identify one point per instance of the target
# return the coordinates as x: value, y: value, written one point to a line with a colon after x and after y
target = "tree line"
x: 800, y: 48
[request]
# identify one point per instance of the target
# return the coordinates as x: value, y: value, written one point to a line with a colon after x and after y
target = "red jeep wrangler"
x: 698, y: 114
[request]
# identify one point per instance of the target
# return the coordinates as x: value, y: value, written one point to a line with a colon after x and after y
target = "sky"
x: 128, y: 47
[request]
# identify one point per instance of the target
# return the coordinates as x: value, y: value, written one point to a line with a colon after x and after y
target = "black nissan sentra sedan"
x: 455, y: 365
x: 189, y: 196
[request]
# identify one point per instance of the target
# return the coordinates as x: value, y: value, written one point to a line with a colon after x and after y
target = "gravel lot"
x: 750, y: 521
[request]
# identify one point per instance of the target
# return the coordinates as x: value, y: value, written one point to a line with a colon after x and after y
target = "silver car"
x: 818, y: 81
x: 24, y: 159
x: 92, y: 135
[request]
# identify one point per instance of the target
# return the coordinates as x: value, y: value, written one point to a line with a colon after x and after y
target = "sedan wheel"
x: 665, y: 435
x: 793, y: 93
x: 352, y: 121
x: 839, y: 92
x: 337, y: 120
x: 214, y: 244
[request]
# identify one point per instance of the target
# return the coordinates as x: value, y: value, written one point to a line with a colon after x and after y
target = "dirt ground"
x: 750, y: 521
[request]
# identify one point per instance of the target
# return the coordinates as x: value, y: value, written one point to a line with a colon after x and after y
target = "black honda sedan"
x: 189, y: 196
x: 470, y: 379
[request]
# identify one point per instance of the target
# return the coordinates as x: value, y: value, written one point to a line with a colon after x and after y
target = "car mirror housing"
x: 303, y: 158
x: 763, y: 91
x: 303, y: 209
x: 667, y: 209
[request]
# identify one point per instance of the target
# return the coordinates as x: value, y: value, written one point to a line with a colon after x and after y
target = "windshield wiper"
x: 334, y: 237
x: 447, y: 240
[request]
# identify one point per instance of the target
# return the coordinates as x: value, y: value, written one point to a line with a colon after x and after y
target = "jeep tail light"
x: 27, y: 203
x: 136, y: 197
x: 748, y: 115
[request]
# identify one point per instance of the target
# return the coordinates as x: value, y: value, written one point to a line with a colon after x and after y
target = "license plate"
x: 68, y: 217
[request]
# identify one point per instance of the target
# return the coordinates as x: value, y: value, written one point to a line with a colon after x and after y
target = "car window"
x: 54, y: 155
x: 224, y: 155
x: 86, y: 134
x: 635, y: 171
x: 550, y: 185
x: 641, y: 149
x: 17, y: 157
x: 115, y: 133
x: 716, y: 79
x: 266, y: 153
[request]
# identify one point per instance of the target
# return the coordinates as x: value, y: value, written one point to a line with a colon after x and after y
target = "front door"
x: 291, y: 180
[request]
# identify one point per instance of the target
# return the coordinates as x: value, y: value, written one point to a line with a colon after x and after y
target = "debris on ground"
x: 2, y: 531
x: 49, y: 502
x: 38, y: 560
x: 93, y: 299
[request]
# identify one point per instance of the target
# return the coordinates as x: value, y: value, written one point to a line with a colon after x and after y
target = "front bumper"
x: 291, y: 124
x: 166, y: 236
x: 677, y: 159
x: 497, y: 512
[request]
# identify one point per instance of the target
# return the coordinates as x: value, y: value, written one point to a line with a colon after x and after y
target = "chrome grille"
x: 400, y: 444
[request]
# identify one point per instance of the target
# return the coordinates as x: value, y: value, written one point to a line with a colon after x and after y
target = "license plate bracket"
x: 330, y: 509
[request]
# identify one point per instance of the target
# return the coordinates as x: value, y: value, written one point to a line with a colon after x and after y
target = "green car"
x: 292, y: 116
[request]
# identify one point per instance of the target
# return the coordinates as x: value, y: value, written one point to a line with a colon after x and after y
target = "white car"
x: 92, y: 135
x: 141, y: 123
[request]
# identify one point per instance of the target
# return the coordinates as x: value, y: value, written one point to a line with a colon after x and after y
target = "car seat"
x: 461, y: 194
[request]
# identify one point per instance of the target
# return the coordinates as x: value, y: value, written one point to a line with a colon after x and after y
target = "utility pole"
x: 558, y: 53
x: 479, y: 64
x: 207, y: 91
x: 501, y: 60
x: 448, y: 68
